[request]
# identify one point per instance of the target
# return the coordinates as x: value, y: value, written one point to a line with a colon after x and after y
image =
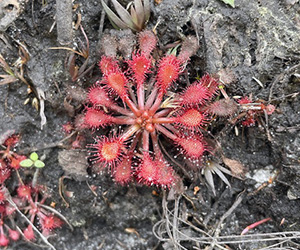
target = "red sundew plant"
x: 36, y: 211
x: 136, y: 94
x: 8, y: 158
x: 28, y: 200
x: 251, y: 111
x: 32, y: 202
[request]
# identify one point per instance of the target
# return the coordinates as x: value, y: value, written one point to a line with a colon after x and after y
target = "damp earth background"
x: 256, y: 40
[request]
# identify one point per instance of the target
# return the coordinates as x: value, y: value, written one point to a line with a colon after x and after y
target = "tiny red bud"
x: 270, y: 109
x: 24, y: 191
x: 2, y: 197
x: 50, y: 222
x: 4, y: 241
x: 15, y: 161
x: 14, y: 234
x: 28, y: 233
x: 68, y: 128
x: 147, y: 41
x: 12, y: 140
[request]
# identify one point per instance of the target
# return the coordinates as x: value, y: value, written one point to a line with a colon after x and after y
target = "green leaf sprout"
x: 26, y: 163
x: 33, y: 160
x: 39, y: 164
x: 34, y: 156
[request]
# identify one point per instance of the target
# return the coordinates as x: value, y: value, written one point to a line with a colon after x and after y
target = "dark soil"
x: 257, y: 40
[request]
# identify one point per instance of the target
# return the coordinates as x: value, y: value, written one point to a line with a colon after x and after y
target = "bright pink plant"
x: 253, y: 110
x: 9, y: 159
x: 147, y: 109
x: 32, y: 202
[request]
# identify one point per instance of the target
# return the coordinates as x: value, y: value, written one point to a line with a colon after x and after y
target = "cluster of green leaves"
x: 32, y: 161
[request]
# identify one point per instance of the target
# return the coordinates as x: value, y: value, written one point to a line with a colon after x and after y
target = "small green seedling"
x: 32, y: 161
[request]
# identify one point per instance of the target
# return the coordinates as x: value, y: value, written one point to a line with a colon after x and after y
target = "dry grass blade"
x: 176, y: 231
x: 66, y: 48
x: 5, y: 66
x: 113, y: 17
x: 147, y: 10
x: 85, y: 49
x: 24, y: 54
x: 139, y: 9
x: 6, y: 79
x: 135, y: 20
x: 123, y: 13
x: 222, y: 176
x: 214, y: 168
x: 134, y: 15
x: 210, y: 180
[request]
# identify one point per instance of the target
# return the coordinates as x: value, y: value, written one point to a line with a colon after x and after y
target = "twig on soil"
x: 285, y: 129
x: 61, y: 188
x: 78, y: 22
x: 94, y: 193
x: 180, y: 235
x: 163, y: 231
x: 214, y: 208
x: 122, y: 244
x: 42, y: 98
x: 266, y: 126
x: 46, y: 146
x: 293, y: 95
x: 101, y: 244
x: 190, y: 200
x: 224, y: 216
x: 258, y: 82
x: 175, y: 218
x: 279, y: 77
x: 19, y: 177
